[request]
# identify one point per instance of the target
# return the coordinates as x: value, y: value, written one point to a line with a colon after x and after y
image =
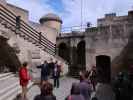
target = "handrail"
x: 13, y: 15
x: 27, y: 31
x: 35, y: 32
x: 35, y: 39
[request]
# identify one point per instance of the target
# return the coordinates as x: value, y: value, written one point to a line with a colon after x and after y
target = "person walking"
x: 75, y: 93
x: 56, y: 74
x: 46, y: 92
x: 24, y: 79
x: 85, y: 85
x: 44, y: 72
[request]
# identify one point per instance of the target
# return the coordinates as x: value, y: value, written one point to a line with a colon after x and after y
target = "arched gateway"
x: 8, y: 58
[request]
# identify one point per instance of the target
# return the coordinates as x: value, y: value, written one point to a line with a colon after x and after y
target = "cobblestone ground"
x: 60, y: 93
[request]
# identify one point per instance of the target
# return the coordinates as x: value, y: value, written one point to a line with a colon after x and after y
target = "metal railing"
x: 73, y: 28
x: 26, y: 31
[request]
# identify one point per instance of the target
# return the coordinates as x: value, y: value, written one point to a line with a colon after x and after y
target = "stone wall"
x: 109, y: 40
x: 49, y: 32
x: 3, y: 2
x: 111, y: 37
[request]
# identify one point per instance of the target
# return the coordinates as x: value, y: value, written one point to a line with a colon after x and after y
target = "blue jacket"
x: 44, y: 70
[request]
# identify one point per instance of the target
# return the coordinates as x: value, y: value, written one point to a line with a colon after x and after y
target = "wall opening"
x: 9, y: 61
x: 103, y: 65
x: 81, y: 55
x: 64, y: 51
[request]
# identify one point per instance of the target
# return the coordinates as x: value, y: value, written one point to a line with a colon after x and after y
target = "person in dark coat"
x: 93, y: 77
x: 44, y: 72
x: 85, y: 85
x: 51, y: 66
x: 56, y: 74
x: 46, y: 92
x: 122, y: 87
x: 75, y: 93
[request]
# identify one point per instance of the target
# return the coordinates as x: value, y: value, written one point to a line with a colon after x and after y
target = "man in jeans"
x: 56, y: 74
x: 44, y: 72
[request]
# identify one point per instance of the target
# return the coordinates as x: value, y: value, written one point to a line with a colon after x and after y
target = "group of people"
x: 88, y: 88
x: 48, y: 70
x: 79, y: 91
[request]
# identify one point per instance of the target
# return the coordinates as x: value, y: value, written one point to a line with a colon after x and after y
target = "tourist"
x: 93, y: 77
x: 46, y: 92
x: 51, y: 66
x: 122, y: 87
x: 56, y: 74
x: 24, y: 79
x: 85, y: 86
x: 75, y: 93
x: 44, y: 72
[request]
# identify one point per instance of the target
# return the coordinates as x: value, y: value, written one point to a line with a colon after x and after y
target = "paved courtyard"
x: 60, y: 93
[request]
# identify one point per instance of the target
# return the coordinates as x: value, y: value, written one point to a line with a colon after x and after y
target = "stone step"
x: 10, y: 88
x: 5, y: 74
x: 7, y: 84
x: 3, y: 91
x: 11, y: 95
x: 6, y: 77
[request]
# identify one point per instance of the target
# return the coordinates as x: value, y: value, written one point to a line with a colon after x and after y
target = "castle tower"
x: 51, y: 21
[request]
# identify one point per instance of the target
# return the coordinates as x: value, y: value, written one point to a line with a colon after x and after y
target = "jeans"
x: 56, y: 82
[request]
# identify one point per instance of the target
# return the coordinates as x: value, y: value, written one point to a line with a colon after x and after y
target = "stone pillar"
x: 90, y: 51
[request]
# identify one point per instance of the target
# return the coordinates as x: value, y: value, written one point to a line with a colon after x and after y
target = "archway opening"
x: 8, y: 58
x: 81, y: 58
x: 64, y: 52
x: 103, y: 65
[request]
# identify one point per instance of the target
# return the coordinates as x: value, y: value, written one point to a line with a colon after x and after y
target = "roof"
x: 49, y: 17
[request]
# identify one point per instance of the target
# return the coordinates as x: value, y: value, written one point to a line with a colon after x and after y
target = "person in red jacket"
x: 24, y: 79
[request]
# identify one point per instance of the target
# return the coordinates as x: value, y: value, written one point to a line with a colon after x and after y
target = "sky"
x: 70, y: 10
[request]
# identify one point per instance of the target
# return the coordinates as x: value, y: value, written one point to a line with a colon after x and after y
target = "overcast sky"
x: 70, y: 10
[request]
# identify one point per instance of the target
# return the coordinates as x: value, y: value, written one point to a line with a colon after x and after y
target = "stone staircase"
x: 14, y: 23
x: 9, y: 86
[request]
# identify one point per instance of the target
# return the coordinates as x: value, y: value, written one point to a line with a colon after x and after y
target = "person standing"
x: 44, y: 72
x: 56, y: 74
x: 24, y: 79
x: 51, y: 66
x: 93, y: 77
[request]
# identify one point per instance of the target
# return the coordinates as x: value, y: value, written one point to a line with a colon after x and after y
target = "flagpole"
x: 81, y: 14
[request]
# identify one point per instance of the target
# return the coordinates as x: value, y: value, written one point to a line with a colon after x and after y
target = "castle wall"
x: 112, y: 19
x: 53, y: 24
x: 109, y: 40
x: 48, y: 32
x: 19, y: 12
